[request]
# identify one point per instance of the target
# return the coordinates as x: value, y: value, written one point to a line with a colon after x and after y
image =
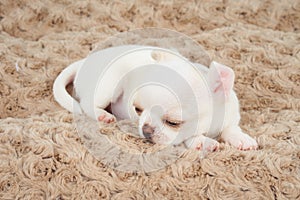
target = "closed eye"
x: 173, y: 123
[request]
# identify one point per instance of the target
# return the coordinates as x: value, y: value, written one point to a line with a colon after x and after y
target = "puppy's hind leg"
x: 97, y: 112
x: 104, y: 116
x: 115, y: 104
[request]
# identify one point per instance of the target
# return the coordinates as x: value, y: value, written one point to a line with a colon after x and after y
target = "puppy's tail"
x: 59, y: 87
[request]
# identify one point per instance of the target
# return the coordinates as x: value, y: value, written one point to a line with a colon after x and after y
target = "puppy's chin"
x: 161, y: 139
x: 158, y: 138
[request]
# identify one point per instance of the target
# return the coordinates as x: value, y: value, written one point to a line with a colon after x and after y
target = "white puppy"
x: 173, y: 100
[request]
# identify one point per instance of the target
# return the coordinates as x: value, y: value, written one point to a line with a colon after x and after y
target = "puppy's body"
x: 91, y: 82
x: 192, y: 105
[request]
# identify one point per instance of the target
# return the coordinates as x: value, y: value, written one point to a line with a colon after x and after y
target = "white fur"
x: 212, y: 111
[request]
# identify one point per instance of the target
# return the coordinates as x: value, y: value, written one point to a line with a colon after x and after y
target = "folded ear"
x: 162, y: 55
x: 220, y: 79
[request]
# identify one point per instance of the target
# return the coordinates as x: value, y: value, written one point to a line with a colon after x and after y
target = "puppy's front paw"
x: 208, y: 145
x: 245, y: 142
x: 238, y: 139
x: 106, y: 117
x: 202, y: 143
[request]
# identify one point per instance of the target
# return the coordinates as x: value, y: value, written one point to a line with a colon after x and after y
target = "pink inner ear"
x: 224, y: 84
x: 223, y: 78
x: 224, y: 74
x: 226, y: 80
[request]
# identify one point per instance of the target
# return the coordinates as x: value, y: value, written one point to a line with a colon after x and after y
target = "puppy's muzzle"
x: 147, y: 131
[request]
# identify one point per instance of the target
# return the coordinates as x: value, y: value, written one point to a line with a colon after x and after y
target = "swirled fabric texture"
x: 41, y: 154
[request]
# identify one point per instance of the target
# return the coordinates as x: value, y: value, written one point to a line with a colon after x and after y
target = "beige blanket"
x: 43, y: 157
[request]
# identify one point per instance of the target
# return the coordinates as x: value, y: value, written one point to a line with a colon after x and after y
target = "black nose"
x: 147, y: 131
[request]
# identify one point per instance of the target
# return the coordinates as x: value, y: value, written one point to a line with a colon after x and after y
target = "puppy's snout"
x: 147, y: 131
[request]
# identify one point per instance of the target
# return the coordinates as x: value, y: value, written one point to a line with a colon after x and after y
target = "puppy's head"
x: 159, y: 113
x: 170, y: 117
x: 180, y: 102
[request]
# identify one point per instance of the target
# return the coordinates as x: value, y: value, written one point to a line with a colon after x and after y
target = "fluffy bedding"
x: 42, y: 156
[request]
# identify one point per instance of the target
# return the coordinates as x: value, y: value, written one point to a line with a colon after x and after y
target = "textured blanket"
x: 42, y: 156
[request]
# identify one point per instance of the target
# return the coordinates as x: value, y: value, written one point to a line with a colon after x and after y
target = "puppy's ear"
x: 220, y: 79
x: 161, y: 55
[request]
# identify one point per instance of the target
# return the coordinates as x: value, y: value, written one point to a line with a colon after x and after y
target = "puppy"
x: 172, y: 99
